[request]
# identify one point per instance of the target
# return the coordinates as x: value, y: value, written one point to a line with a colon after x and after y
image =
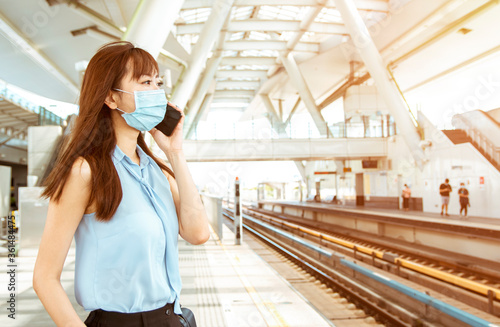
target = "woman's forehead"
x: 136, y: 70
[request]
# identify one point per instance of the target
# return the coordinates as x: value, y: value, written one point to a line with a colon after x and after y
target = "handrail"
x: 45, y: 117
x: 483, y: 131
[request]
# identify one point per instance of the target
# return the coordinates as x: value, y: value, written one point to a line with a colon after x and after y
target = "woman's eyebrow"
x: 150, y: 76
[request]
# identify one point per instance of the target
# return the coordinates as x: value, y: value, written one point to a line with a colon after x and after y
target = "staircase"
x: 459, y: 136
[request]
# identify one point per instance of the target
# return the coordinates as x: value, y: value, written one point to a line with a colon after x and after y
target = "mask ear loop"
x: 124, y: 92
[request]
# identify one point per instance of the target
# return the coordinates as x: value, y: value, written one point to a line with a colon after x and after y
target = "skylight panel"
x: 251, y: 67
x: 241, y: 13
x: 188, y: 40
x: 237, y: 36
x: 260, y: 36
x: 197, y: 15
x: 281, y: 12
x: 328, y: 15
x: 229, y: 53
x: 286, y: 35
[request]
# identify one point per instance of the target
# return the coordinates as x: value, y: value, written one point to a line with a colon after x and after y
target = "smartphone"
x: 171, y: 119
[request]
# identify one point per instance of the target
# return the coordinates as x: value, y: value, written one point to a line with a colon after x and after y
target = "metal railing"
x: 45, y: 117
x: 262, y: 129
x: 213, y: 207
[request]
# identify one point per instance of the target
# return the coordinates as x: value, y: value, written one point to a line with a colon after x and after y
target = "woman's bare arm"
x: 63, y: 218
x: 193, y: 222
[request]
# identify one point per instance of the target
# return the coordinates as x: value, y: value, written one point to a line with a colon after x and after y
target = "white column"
x: 192, y: 115
x: 377, y: 69
x: 201, y: 50
x: 305, y: 94
x: 152, y: 22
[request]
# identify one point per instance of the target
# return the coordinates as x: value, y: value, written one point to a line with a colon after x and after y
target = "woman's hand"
x: 172, y: 143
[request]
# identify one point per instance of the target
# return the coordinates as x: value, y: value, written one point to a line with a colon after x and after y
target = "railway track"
x: 449, y: 269
x: 467, y: 285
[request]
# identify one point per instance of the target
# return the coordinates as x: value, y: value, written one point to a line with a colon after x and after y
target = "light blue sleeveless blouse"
x: 131, y: 263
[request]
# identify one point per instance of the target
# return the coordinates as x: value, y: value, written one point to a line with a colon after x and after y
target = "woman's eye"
x: 148, y: 82
x: 159, y: 84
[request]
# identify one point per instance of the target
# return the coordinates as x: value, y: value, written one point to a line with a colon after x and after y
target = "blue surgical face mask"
x: 150, y: 108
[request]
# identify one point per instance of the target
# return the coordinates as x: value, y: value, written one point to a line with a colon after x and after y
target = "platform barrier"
x: 213, y: 207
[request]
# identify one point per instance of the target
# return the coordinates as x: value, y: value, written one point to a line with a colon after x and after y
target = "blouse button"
x: 168, y: 312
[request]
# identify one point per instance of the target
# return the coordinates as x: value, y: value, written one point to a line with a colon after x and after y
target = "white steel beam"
x: 286, y: 149
x: 201, y: 90
x: 201, y: 50
x: 234, y: 93
x: 371, y: 5
x: 269, y: 45
x: 16, y: 37
x: 236, y: 84
x: 207, y: 82
x: 273, y: 117
x: 305, y: 25
x: 262, y: 74
x: 265, y: 26
x: 305, y: 94
x: 375, y: 65
x: 152, y: 15
x: 239, y: 61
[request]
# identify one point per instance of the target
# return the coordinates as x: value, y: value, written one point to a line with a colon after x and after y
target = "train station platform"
x: 224, y: 284
x: 389, y: 212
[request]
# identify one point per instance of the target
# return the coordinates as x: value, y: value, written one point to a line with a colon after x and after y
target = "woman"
x: 122, y: 204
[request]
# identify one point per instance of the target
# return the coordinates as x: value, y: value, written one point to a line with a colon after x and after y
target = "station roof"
x: 45, y: 44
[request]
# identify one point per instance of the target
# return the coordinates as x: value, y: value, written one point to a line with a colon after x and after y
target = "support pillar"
x: 199, y: 54
x: 152, y: 23
x: 273, y: 117
x: 377, y: 69
x: 195, y: 104
x: 305, y: 94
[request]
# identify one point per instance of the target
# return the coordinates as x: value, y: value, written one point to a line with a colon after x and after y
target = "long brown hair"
x: 93, y: 136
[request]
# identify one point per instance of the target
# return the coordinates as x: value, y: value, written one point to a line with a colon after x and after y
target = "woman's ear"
x: 110, y: 100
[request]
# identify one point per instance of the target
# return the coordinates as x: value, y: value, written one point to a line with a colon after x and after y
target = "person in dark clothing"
x: 463, y: 193
x: 444, y: 190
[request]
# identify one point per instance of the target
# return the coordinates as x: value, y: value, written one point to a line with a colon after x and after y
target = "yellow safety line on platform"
x: 254, y: 295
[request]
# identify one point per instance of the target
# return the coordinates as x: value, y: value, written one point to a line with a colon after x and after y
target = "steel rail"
x: 424, y: 298
x: 435, y: 273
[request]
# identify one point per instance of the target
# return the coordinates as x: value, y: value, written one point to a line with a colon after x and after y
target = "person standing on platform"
x: 406, y: 197
x: 122, y: 203
x: 445, y: 190
x: 463, y: 193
